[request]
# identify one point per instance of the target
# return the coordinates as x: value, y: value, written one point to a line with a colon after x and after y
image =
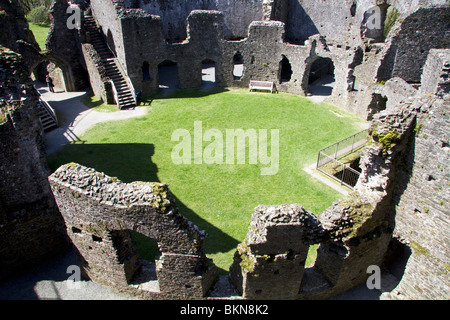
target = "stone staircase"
x: 47, y: 117
x: 124, y: 93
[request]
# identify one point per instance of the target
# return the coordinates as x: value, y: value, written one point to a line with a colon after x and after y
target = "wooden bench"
x: 261, y: 85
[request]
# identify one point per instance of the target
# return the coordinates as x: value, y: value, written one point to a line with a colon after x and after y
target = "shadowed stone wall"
x: 100, y: 211
x: 31, y: 227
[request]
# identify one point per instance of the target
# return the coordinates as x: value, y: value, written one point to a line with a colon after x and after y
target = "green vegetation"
x: 37, y: 11
x: 39, y: 15
x: 97, y: 104
x: 418, y: 249
x: 219, y: 198
x: 40, y: 34
x: 417, y: 129
x: 387, y: 140
x: 391, y: 17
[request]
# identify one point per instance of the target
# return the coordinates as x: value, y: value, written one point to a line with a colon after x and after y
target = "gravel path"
x: 75, y: 117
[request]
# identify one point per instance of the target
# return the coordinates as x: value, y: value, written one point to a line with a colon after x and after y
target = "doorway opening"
x: 321, y: 77
x: 238, y: 66
x: 285, y: 70
x: 168, y: 76
x: 208, y: 74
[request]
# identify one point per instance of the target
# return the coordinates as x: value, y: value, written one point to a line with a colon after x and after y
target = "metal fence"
x: 328, y: 163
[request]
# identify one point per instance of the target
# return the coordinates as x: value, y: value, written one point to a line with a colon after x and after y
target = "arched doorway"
x: 110, y: 42
x: 168, y: 76
x: 238, y: 66
x: 208, y: 74
x: 321, y: 77
x: 48, y: 68
x: 146, y: 72
x: 61, y: 72
x: 285, y: 72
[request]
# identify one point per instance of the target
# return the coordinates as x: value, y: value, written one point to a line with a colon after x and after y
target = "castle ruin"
x: 396, y: 76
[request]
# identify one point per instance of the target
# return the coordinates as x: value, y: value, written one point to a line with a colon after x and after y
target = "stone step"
x: 126, y: 98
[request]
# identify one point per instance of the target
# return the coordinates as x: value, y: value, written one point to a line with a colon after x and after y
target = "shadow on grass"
x: 133, y: 162
x: 90, y: 101
x: 95, y: 103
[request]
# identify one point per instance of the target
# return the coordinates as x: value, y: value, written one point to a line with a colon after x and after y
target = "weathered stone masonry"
x: 353, y: 233
x: 99, y: 212
x: 300, y: 31
x: 31, y: 227
x: 401, y: 197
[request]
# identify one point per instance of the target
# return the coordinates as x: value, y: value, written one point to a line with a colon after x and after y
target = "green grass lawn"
x: 97, y: 104
x: 40, y: 33
x: 219, y: 198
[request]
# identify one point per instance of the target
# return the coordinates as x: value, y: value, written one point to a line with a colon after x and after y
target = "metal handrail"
x: 49, y: 109
x: 344, y: 168
x: 333, y: 152
x: 354, y: 145
x: 116, y: 95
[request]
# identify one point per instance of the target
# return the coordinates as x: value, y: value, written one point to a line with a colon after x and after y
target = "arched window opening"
x: 111, y: 43
x: 353, y: 9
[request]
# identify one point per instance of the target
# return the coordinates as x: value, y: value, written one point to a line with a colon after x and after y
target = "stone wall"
x: 31, y: 227
x: 435, y: 76
x: 422, y: 220
x: 100, y: 211
x: 269, y: 264
x: 15, y: 34
x: 354, y: 233
x: 107, y: 15
x: 100, y: 83
x: 63, y: 48
x: 237, y: 15
x: 425, y: 29
x: 337, y: 35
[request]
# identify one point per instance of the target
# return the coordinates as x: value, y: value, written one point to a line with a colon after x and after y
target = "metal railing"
x: 115, y: 93
x: 49, y: 110
x: 328, y: 163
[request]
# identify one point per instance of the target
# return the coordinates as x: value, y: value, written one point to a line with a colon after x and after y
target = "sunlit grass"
x: 40, y: 33
x: 219, y: 198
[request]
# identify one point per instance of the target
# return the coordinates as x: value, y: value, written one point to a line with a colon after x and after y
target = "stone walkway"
x: 75, y: 117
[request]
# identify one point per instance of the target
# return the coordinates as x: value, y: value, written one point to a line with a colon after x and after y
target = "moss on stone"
x: 359, y: 213
x: 418, y: 249
x: 387, y: 140
x: 246, y: 262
